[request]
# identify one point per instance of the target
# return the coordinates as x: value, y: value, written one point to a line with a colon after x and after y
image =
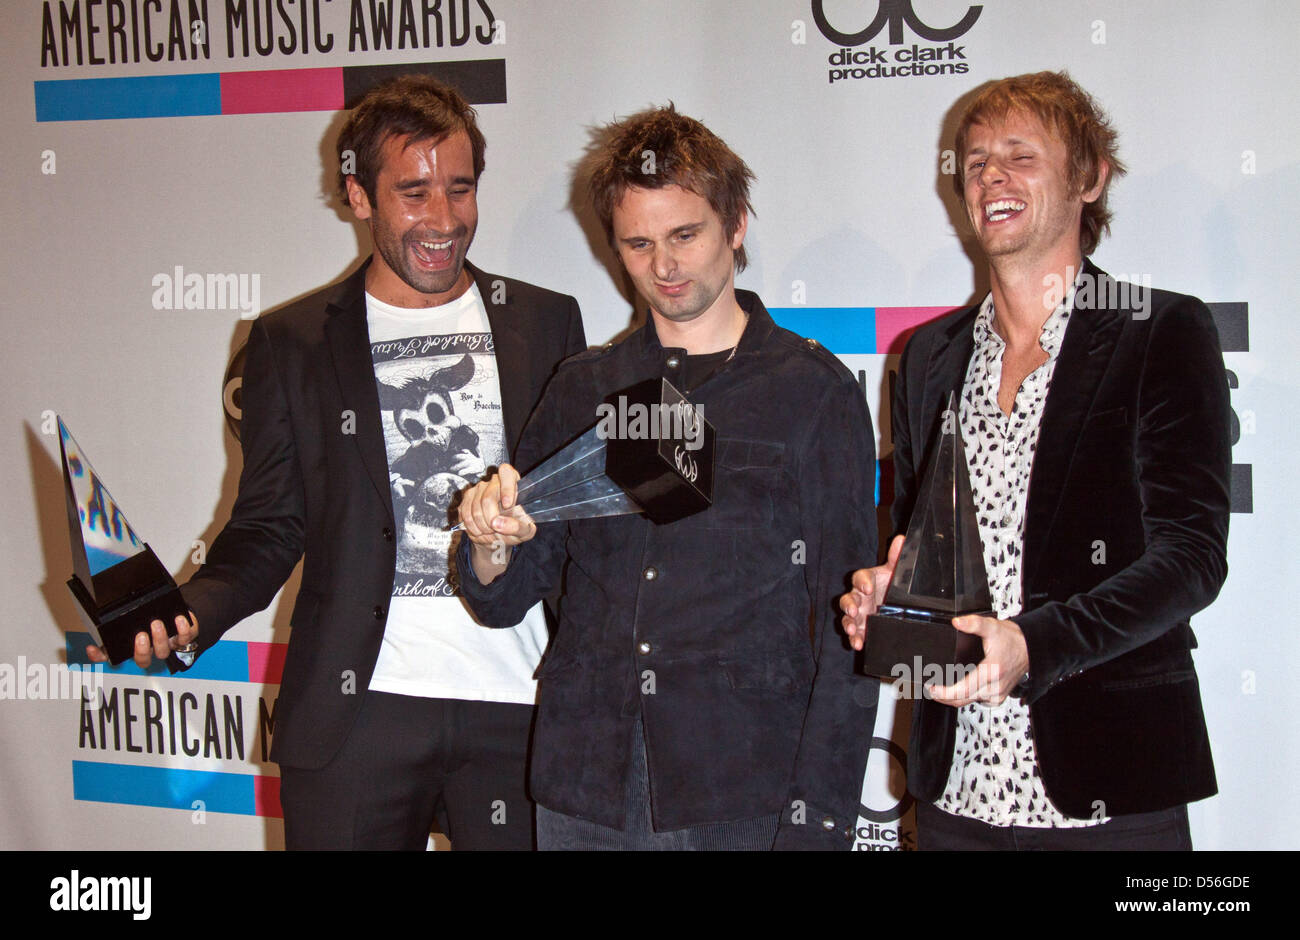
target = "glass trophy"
x: 119, y: 584
x: 940, y: 572
x: 651, y: 452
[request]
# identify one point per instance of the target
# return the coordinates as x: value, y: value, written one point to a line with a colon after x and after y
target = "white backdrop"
x: 854, y: 215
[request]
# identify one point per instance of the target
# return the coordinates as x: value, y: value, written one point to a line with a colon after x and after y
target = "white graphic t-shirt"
x: 440, y: 404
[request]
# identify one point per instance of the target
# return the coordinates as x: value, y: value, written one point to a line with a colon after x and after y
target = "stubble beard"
x: 397, y: 253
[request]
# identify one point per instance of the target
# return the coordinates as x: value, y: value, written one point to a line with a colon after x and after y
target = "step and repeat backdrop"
x: 169, y: 176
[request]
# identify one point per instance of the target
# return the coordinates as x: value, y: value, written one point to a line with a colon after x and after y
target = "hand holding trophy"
x: 119, y: 583
x: 937, y: 573
x: 660, y: 463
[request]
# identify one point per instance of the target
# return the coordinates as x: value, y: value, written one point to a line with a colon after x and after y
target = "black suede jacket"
x: 720, y: 630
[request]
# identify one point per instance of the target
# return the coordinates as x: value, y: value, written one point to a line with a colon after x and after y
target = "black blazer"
x: 1125, y: 539
x: 315, y: 485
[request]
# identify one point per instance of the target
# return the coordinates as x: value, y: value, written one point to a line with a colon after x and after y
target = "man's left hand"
x: 1005, y: 663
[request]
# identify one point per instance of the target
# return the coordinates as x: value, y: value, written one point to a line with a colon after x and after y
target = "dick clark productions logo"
x: 897, y: 60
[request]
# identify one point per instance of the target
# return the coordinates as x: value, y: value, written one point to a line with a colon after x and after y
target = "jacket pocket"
x: 556, y: 662
x: 770, y: 675
x: 1146, y: 682
x: 746, y: 482
x: 306, y: 609
x: 1110, y: 418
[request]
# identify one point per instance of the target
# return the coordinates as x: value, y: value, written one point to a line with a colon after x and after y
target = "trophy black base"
x: 903, y: 643
x: 669, y: 476
x: 134, y: 593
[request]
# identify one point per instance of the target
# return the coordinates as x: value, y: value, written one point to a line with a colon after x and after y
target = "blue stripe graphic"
x: 842, y: 330
x: 104, y: 99
x: 227, y: 661
x: 168, y: 787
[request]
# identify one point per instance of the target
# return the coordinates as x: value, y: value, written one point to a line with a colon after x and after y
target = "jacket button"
x: 673, y: 362
x: 644, y: 648
x: 828, y: 824
x: 388, y: 534
x: 812, y: 344
x: 650, y: 574
x: 378, y: 612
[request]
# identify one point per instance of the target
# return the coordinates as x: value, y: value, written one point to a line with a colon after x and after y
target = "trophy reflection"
x: 119, y: 583
x: 651, y: 452
x: 940, y: 572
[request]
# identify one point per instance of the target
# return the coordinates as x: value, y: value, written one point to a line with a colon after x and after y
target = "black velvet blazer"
x: 1133, y: 461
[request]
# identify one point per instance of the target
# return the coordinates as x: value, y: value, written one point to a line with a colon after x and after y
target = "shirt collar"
x: 757, y: 328
x: 1053, y: 331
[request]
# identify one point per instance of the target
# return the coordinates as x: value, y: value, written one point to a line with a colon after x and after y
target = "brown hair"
x: 415, y: 106
x: 658, y: 148
x: 1073, y: 116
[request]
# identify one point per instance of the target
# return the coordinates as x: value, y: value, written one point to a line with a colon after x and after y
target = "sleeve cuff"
x: 814, y: 831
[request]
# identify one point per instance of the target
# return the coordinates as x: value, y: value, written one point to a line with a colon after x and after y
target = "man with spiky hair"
x: 1096, y: 424
x: 366, y: 407
x: 682, y: 703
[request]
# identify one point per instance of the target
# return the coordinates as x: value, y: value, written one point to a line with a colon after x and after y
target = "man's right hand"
x: 494, y: 522
x: 155, y: 642
x: 869, y: 586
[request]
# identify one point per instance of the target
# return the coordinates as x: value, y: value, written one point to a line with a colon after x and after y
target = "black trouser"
x: 557, y: 832
x: 1165, y: 830
x: 411, y: 762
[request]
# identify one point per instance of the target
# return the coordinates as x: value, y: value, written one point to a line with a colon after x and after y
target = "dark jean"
x: 557, y: 832
x: 1164, y: 830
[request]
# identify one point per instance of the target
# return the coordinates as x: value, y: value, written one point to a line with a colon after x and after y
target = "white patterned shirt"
x: 994, y: 775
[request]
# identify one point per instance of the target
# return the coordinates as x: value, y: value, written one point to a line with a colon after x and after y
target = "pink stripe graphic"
x: 895, y: 324
x: 266, y: 797
x: 266, y: 662
x: 282, y: 90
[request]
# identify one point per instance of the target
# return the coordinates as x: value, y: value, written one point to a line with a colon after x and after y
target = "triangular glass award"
x: 651, y: 452
x: 940, y: 572
x: 119, y: 584
x: 571, y: 484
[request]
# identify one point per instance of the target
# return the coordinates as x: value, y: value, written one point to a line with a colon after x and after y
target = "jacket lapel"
x: 942, y: 370
x: 349, y: 345
x: 945, y: 372
x: 511, y: 353
x: 1086, y: 351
